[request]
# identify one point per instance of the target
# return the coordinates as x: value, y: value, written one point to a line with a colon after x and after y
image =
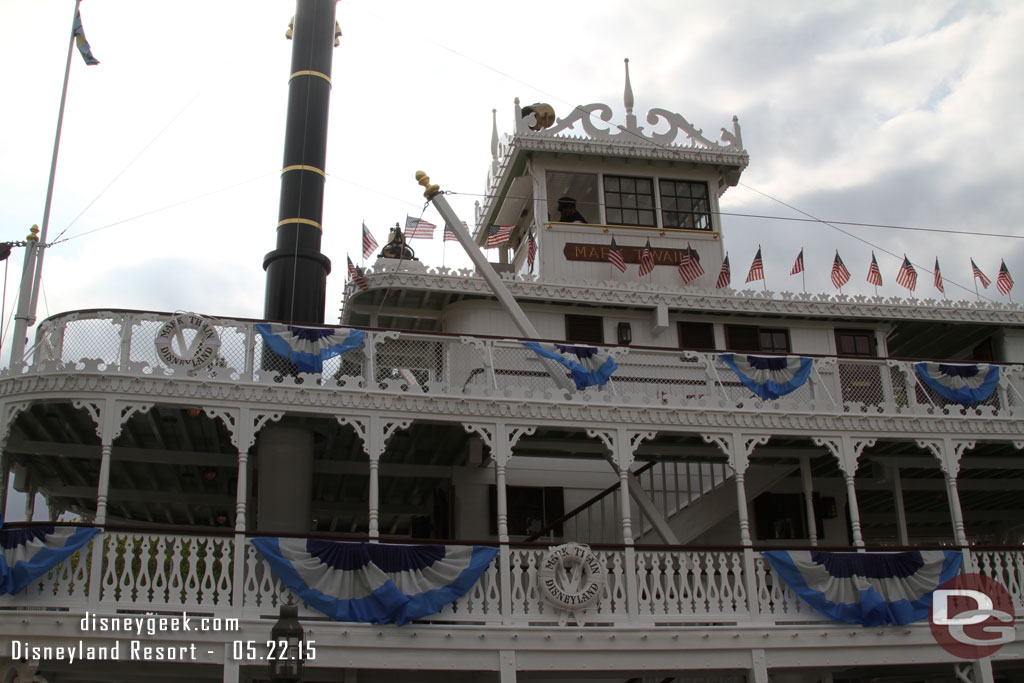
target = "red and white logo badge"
x: 972, y: 616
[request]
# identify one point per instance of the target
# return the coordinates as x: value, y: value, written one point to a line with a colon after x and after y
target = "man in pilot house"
x: 567, y: 212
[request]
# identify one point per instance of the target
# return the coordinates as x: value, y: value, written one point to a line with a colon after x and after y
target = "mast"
x: 296, y: 287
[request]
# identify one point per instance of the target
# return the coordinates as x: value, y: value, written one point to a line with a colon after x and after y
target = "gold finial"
x: 33, y: 234
x: 424, y: 180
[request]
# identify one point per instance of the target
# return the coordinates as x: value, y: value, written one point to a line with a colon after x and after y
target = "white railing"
x: 162, y: 572
x: 123, y: 342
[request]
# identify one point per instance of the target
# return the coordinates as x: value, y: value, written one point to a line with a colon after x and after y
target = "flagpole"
x: 27, y: 301
x: 803, y: 274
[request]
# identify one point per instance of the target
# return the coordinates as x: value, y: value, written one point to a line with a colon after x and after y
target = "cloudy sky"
x: 902, y: 114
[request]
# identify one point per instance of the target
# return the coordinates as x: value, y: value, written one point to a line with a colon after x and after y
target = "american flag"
x: 615, y: 257
x: 449, y: 236
x: 498, y: 234
x: 724, y: 275
x: 1004, y: 283
x: 369, y: 244
x: 798, y: 265
x: 874, y: 275
x: 907, y: 277
x: 646, y: 260
x: 531, y: 251
x: 985, y: 282
x: 418, y: 229
x: 756, y: 268
x: 356, y: 275
x: 938, y: 277
x: 840, y: 275
x: 690, y: 268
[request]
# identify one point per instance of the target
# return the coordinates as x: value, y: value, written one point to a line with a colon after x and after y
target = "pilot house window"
x: 685, y: 204
x: 629, y: 201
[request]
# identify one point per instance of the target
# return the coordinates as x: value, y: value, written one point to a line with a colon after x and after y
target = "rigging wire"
x: 164, y: 208
x: 795, y: 219
x: 138, y: 156
x: 809, y: 217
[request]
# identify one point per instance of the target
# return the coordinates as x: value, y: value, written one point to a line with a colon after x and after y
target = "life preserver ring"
x: 194, y: 351
x: 571, y: 576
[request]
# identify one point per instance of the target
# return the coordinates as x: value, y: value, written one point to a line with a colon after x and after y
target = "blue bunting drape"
x: 963, y: 384
x: 769, y: 376
x: 871, y: 589
x: 373, y: 582
x: 589, y: 366
x: 309, y: 347
x: 30, y: 553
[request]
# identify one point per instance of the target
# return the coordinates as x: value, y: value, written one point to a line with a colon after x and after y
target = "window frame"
x: 690, y: 214
x: 623, y: 207
x: 581, y: 323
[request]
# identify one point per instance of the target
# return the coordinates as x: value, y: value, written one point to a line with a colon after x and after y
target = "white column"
x: 949, y: 453
x: 758, y: 667
x: 901, y: 512
x: 373, y: 526
x: 230, y: 666
x: 812, y: 523
x: 851, y: 501
x: 847, y: 451
x: 507, y: 666
x: 741, y: 509
x: 103, y: 486
x: 501, y: 438
x: 499, y: 485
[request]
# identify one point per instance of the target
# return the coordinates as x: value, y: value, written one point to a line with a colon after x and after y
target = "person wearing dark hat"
x: 567, y: 212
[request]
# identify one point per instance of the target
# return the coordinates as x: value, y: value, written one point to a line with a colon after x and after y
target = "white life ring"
x: 194, y: 351
x: 571, y: 576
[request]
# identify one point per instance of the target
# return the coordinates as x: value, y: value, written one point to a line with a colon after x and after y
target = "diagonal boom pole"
x: 505, y: 298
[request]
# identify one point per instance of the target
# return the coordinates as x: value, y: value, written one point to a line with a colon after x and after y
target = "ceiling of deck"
x: 174, y: 465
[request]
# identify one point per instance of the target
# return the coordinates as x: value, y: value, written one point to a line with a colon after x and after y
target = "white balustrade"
x: 124, y: 342
x: 152, y: 572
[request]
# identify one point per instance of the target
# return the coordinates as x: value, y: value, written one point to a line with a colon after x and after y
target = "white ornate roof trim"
x: 751, y: 302
x: 631, y: 133
x: 627, y: 140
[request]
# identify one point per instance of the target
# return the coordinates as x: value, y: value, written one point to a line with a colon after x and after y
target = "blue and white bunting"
x: 871, y: 589
x: 770, y: 376
x: 375, y: 583
x: 588, y: 365
x: 309, y: 347
x: 963, y: 384
x: 30, y: 553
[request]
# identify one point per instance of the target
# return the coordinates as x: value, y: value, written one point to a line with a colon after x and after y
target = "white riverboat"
x: 628, y: 465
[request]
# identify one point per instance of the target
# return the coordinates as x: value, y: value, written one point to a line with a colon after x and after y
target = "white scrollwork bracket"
x: 737, y: 447
x: 948, y: 452
x: 110, y: 416
x: 630, y: 440
x: 845, y: 450
x: 243, y: 425
x: 373, y: 431
x: 10, y: 413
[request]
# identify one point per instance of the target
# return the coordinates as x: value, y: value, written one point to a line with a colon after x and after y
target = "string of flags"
x: 689, y: 266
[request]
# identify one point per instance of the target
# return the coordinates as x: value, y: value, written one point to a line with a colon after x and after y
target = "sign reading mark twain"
x: 187, y: 341
x: 575, y: 251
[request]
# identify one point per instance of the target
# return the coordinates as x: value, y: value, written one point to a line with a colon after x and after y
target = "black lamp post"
x: 286, y: 666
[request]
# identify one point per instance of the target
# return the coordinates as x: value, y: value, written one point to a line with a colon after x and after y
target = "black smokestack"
x: 296, y: 270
